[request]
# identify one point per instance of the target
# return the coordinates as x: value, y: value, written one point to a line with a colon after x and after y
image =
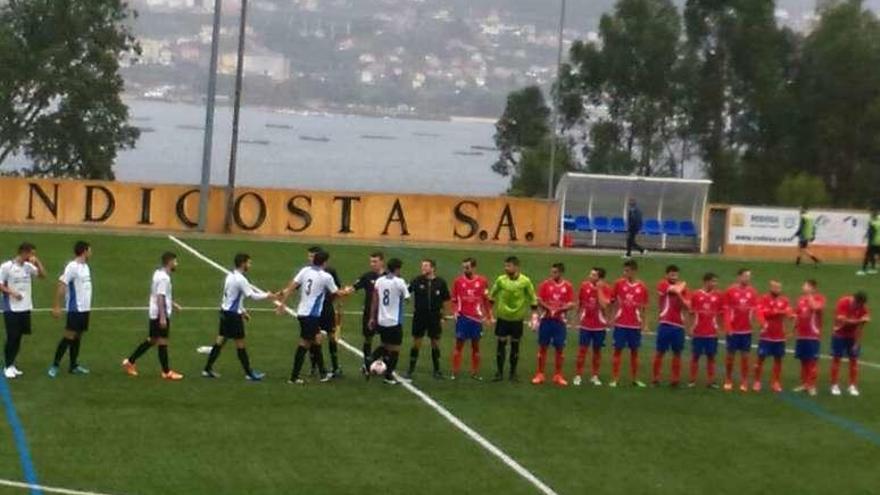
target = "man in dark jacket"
x: 633, y: 227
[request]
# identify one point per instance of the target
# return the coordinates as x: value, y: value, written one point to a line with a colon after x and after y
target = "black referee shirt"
x: 328, y: 300
x: 367, y: 284
x: 428, y: 295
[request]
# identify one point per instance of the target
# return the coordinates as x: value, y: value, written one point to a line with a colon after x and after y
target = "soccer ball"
x: 378, y: 367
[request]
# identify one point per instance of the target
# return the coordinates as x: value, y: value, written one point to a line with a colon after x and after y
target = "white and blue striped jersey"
x: 391, y: 292
x: 77, y: 277
x: 314, y: 285
x: 235, y: 289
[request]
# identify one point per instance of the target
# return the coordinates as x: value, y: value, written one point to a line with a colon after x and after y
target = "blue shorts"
x: 627, y: 337
x: 844, y: 346
x: 468, y: 329
x: 771, y: 348
x: 551, y: 332
x: 707, y: 346
x: 806, y: 349
x: 592, y: 338
x: 739, y: 342
x: 670, y: 337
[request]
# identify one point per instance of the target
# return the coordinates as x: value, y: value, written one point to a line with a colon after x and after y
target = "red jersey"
x: 846, y: 309
x: 470, y: 296
x: 774, y: 311
x: 707, y: 306
x: 809, y: 319
x: 741, y: 304
x: 555, y: 295
x: 671, y: 305
x: 592, y: 315
x: 631, y: 299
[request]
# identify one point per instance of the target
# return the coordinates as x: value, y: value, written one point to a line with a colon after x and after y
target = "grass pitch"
x: 111, y: 433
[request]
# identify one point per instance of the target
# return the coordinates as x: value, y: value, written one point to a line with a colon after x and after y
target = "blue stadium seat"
x: 688, y: 229
x: 568, y: 222
x: 600, y: 224
x: 652, y: 227
x: 671, y: 228
x: 618, y: 225
x: 582, y: 224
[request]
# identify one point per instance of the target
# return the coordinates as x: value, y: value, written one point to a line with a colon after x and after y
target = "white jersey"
x: 160, y: 286
x: 18, y: 277
x: 314, y: 285
x: 235, y: 289
x: 77, y: 277
x: 391, y: 292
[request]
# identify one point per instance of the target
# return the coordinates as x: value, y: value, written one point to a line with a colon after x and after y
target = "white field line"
x: 46, y: 489
x: 467, y: 430
x: 862, y: 362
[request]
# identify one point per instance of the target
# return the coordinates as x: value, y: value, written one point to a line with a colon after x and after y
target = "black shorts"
x: 78, y: 322
x: 803, y: 243
x: 328, y: 319
x: 157, y: 332
x: 365, y: 327
x: 231, y: 325
x: 508, y: 328
x: 427, y: 324
x: 309, y: 326
x: 17, y: 323
x: 391, y: 335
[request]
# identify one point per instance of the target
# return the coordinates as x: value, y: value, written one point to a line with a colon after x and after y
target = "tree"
x: 60, y: 88
x: 529, y: 178
x: 524, y: 125
x: 802, y: 190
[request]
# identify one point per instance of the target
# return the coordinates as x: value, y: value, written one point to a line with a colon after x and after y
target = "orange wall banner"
x: 276, y: 212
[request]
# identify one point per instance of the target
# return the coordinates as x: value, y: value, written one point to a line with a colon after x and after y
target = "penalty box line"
x: 34, y: 488
x: 427, y: 399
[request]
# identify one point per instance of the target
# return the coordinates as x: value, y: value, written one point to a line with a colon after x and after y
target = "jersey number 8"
x: 386, y: 297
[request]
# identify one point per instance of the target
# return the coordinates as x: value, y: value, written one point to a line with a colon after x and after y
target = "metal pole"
x: 553, y: 110
x: 207, y: 146
x: 236, y: 110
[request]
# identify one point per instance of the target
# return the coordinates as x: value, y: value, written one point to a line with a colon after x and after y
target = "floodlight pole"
x: 236, y: 111
x: 553, y: 110
x: 205, y: 188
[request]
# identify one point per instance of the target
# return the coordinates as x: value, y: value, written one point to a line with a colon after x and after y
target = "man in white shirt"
x: 233, y: 315
x: 314, y: 284
x: 161, y: 305
x: 16, y: 279
x: 387, y: 317
x: 75, y: 289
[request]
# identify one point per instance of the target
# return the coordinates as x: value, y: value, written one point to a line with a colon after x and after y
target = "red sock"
x: 615, y: 365
x: 676, y: 368
x: 695, y: 365
x: 634, y: 364
x: 560, y: 358
x: 656, y: 366
x: 456, y: 356
x: 581, y: 359
x: 475, y: 356
x: 744, y: 367
x: 710, y: 368
x: 777, y: 370
x: 813, y: 377
x: 597, y: 361
x: 805, y: 372
x: 759, y: 369
x: 542, y: 359
x: 728, y: 367
x: 835, y: 371
x: 853, y: 371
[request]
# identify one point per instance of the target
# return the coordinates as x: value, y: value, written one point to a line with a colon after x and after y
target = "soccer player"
x: 16, y: 284
x: 329, y: 321
x: 470, y: 303
x: 513, y: 298
x: 873, y: 249
x: 75, y: 288
x: 387, y: 317
x: 775, y: 309
x: 365, y: 283
x: 314, y: 285
x: 850, y: 319
x: 233, y: 315
x: 430, y: 294
x: 740, y: 306
x: 594, y: 297
x: 555, y: 298
x: 161, y: 305
x: 810, y: 310
x: 673, y: 299
x: 806, y: 233
x: 630, y: 296
x: 707, y: 305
